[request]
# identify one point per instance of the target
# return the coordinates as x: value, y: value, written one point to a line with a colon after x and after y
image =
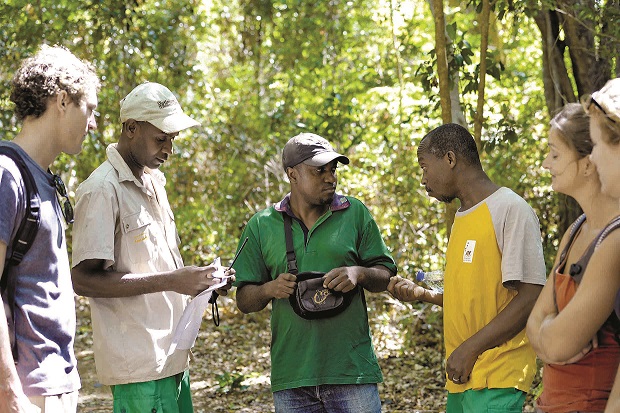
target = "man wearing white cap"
x: 317, y: 364
x: 126, y: 259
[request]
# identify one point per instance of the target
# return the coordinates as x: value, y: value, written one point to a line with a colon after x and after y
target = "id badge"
x: 468, y: 253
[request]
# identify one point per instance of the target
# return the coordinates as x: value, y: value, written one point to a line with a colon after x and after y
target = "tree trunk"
x: 590, y: 62
x: 590, y: 71
x: 441, y: 48
x: 558, y: 87
x: 484, y: 44
x: 451, y: 110
x: 610, y: 37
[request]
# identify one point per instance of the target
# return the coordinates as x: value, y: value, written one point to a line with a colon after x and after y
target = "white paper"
x: 187, y: 329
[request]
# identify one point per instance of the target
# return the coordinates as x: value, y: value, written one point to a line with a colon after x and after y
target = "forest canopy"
x: 362, y: 74
x: 372, y: 77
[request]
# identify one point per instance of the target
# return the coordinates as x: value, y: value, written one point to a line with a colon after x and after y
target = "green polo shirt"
x: 336, y: 350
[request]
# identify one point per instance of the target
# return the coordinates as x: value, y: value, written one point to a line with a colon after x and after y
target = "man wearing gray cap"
x: 126, y: 259
x: 325, y: 364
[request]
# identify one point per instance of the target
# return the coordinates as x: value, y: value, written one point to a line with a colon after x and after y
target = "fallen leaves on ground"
x: 230, y: 366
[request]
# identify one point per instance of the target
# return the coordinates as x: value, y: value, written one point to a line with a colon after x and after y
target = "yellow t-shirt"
x: 493, y: 243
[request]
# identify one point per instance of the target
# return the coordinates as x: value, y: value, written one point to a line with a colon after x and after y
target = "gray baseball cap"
x: 311, y: 149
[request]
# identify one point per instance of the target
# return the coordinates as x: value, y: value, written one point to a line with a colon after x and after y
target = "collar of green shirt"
x: 340, y: 202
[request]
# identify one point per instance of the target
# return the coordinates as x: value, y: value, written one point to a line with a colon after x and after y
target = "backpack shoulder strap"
x: 30, y: 224
x: 24, y: 236
x: 291, y: 259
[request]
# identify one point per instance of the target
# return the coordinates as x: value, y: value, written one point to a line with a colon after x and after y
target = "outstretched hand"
x: 405, y: 290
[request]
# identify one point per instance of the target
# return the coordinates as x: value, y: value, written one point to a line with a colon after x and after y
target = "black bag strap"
x: 215, y: 312
x: 291, y: 259
x: 24, y: 236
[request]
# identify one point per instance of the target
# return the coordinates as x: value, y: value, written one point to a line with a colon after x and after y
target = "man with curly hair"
x: 55, y: 96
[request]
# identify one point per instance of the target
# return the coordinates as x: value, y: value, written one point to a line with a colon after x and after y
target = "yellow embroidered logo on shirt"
x: 140, y: 238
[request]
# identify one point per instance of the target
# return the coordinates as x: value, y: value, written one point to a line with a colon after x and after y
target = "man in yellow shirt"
x: 494, y: 272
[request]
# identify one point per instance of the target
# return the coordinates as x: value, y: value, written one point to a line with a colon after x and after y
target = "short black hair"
x: 451, y: 137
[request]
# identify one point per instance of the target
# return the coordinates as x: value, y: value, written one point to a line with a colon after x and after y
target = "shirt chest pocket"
x: 139, y: 238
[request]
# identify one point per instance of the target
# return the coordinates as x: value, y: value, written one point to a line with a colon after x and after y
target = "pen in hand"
x: 215, y: 294
x: 238, y: 252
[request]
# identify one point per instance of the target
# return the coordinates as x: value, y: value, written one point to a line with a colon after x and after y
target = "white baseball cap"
x: 156, y: 104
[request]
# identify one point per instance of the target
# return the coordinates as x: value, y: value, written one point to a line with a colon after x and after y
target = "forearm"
x: 542, y: 315
x: 534, y: 335
x: 374, y: 279
x: 10, y: 385
x: 544, y: 307
x: 111, y: 284
x: 554, y: 348
x: 433, y: 297
x: 252, y: 297
x: 567, y: 333
x: 508, y: 323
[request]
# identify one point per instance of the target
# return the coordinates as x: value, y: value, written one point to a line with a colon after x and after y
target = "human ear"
x: 130, y: 127
x: 451, y: 157
x: 291, y: 173
x: 62, y: 100
x: 587, y: 166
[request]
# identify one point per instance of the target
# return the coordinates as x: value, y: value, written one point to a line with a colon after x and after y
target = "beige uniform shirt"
x: 129, y: 224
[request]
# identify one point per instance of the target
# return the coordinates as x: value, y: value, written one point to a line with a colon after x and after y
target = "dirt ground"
x: 230, y: 366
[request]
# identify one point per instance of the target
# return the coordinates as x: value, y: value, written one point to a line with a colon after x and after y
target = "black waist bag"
x: 310, y: 300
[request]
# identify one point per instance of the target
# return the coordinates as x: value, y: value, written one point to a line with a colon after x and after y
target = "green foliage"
x: 257, y: 72
x: 362, y: 74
